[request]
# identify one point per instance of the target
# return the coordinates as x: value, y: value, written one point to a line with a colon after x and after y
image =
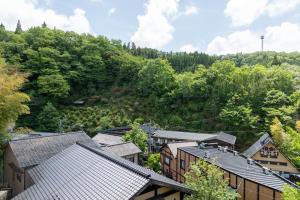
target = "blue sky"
x: 212, y: 26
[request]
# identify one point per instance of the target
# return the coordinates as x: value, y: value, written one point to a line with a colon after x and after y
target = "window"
x: 130, y: 158
x: 273, y: 163
x: 19, y: 177
x: 182, y: 164
x: 263, y: 162
x: 283, y: 163
x: 167, y: 160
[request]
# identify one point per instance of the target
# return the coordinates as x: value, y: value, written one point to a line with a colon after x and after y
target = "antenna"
x: 262, y: 42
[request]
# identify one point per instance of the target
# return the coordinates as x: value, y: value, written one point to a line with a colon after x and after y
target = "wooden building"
x: 267, y: 154
x: 83, y: 172
x: 251, y: 180
x: 23, y: 154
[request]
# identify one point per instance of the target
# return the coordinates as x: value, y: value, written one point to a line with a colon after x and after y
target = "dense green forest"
x: 93, y: 83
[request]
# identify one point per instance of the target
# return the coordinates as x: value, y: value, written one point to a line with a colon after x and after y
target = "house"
x: 84, y: 172
x: 22, y: 154
x: 116, y: 145
x: 267, y: 154
x: 161, y: 137
x: 168, y: 157
x: 251, y: 180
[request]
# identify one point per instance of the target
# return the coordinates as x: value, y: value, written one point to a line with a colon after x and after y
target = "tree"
x: 278, y: 133
x: 206, y: 180
x: 290, y: 193
x: 2, y: 26
x: 49, y: 118
x: 137, y: 136
x: 153, y: 162
x: 12, y: 101
x: 53, y: 85
x: 44, y: 25
x: 18, y: 28
x: 156, y: 77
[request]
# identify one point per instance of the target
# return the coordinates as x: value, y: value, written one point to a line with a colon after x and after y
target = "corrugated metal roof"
x: 106, y: 139
x: 33, y: 151
x: 123, y: 149
x: 81, y: 172
x: 263, y: 140
x: 238, y: 165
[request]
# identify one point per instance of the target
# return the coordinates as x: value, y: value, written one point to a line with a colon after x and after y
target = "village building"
x: 116, y: 145
x: 161, y: 137
x: 251, y: 180
x: 84, y: 172
x: 168, y: 157
x: 265, y: 152
x: 22, y: 154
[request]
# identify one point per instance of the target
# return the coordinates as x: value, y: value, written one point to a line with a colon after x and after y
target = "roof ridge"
x: 98, y: 152
x: 45, y: 136
x: 119, y: 144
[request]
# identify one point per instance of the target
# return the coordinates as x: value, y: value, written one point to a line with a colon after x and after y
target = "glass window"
x: 167, y: 160
x: 182, y: 164
x: 273, y: 163
x: 283, y: 164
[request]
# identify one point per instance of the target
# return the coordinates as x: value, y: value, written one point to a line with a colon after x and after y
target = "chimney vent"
x: 235, y: 153
x: 206, y: 155
x: 266, y: 170
x: 220, y: 148
x: 250, y: 161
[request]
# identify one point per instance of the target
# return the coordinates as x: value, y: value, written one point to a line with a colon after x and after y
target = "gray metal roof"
x: 81, y: 172
x: 31, y: 151
x: 189, y: 136
x: 106, y: 139
x: 238, y: 165
x: 263, y: 140
x: 123, y: 149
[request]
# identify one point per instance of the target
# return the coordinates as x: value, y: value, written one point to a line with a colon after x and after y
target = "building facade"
x: 251, y: 180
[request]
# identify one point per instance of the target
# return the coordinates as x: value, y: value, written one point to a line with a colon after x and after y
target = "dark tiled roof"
x: 238, y: 165
x: 199, y: 137
x: 263, y: 140
x: 174, y: 146
x: 123, y: 149
x: 106, y: 139
x: 34, y: 150
x: 81, y: 172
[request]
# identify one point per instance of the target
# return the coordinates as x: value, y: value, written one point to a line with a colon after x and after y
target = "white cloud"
x: 245, y: 12
x: 284, y: 37
x: 111, y: 11
x: 191, y: 10
x: 29, y: 14
x: 155, y: 29
x: 189, y: 48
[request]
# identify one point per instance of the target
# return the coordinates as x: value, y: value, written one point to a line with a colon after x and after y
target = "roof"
x: 189, y: 136
x: 94, y: 174
x: 32, y: 151
x: 123, y: 149
x: 258, y: 145
x: 17, y: 136
x: 105, y: 139
x: 174, y: 146
x: 239, y: 165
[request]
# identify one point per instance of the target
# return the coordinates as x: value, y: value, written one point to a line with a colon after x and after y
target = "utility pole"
x: 262, y: 42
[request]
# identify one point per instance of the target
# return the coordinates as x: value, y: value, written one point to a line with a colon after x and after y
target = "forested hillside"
x: 117, y: 83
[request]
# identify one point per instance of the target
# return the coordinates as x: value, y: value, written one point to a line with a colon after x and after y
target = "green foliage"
x: 12, y: 101
x: 156, y: 78
x: 137, y: 136
x: 153, y: 162
x: 208, y: 184
x: 290, y: 193
x: 49, y: 118
x: 53, y: 85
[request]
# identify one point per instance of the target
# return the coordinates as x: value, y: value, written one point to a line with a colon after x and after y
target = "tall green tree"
x: 53, y: 85
x: 49, y: 118
x: 208, y: 184
x: 137, y: 136
x: 290, y: 193
x: 12, y: 100
x: 18, y: 28
x: 153, y: 162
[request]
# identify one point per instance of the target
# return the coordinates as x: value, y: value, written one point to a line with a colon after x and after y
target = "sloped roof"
x: 31, y: 151
x: 94, y: 174
x: 123, y: 149
x: 258, y: 145
x: 189, y: 136
x: 106, y: 139
x: 238, y: 165
x: 174, y: 146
